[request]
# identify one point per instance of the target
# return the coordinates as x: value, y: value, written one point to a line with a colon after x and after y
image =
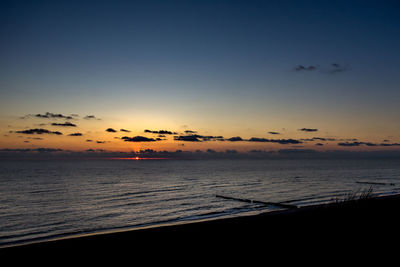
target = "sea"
x: 48, y: 199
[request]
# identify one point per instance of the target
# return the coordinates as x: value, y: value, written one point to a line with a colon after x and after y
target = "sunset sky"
x: 188, y: 75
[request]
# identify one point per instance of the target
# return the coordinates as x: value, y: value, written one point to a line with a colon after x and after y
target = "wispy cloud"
x: 66, y: 124
x: 308, y: 130
x: 279, y: 141
x: 91, y: 117
x: 305, y: 68
x: 337, y: 68
x: 318, y: 139
x: 330, y: 69
x: 351, y: 144
x: 190, y: 132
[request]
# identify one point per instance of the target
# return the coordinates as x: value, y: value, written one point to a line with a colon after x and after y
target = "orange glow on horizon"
x: 95, y: 137
x: 139, y: 158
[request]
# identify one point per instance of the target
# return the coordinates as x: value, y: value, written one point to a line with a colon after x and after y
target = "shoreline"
x: 367, y: 221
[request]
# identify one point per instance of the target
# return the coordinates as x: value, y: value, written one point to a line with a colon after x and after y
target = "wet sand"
x: 365, y: 225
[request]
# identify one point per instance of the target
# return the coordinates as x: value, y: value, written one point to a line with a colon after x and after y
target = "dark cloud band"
x: 138, y: 139
x: 66, y: 124
x: 39, y: 131
x: 160, y: 132
x: 75, y: 134
x: 198, y: 138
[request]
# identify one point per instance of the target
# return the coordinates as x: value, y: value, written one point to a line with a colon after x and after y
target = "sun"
x: 137, y: 158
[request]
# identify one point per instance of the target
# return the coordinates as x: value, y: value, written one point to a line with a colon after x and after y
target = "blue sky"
x: 211, y: 65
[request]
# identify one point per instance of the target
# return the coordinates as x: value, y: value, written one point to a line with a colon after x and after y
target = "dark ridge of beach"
x: 367, y: 226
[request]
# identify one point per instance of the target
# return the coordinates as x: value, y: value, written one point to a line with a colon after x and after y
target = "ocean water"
x: 48, y: 199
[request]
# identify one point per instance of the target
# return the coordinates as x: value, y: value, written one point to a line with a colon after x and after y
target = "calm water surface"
x: 47, y: 199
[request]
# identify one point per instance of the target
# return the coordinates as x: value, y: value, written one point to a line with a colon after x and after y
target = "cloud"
x: 89, y: 140
x: 303, y: 68
x: 96, y: 150
x: 138, y: 139
x: 187, y: 138
x: 323, y: 139
x: 256, y: 139
x: 319, y: 139
x: 331, y: 69
x: 336, y: 68
x: 351, y: 144
x: 308, y: 130
x: 75, y: 134
x: 101, y: 142
x: 273, y: 133
x: 123, y: 130
x: 286, y: 141
x: 204, y: 138
x: 111, y: 130
x: 211, y: 138
x: 190, y: 132
x: 39, y: 131
x: 40, y: 149
x: 49, y: 115
x: 235, y: 139
x: 159, y: 132
x: 198, y: 138
x: 369, y: 144
x: 386, y: 144
x: 279, y: 141
x: 356, y: 144
x: 66, y: 124
x: 90, y: 117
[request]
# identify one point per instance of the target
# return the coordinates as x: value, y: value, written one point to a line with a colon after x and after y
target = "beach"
x: 362, y: 225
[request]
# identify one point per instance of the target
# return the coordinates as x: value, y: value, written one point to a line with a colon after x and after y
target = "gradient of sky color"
x: 218, y: 67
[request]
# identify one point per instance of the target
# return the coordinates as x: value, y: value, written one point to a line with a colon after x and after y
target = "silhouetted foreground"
x: 363, y: 225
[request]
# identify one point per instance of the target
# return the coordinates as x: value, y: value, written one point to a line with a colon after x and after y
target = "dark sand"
x: 366, y: 226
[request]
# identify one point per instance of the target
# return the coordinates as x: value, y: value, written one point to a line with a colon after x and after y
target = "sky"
x: 198, y: 75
